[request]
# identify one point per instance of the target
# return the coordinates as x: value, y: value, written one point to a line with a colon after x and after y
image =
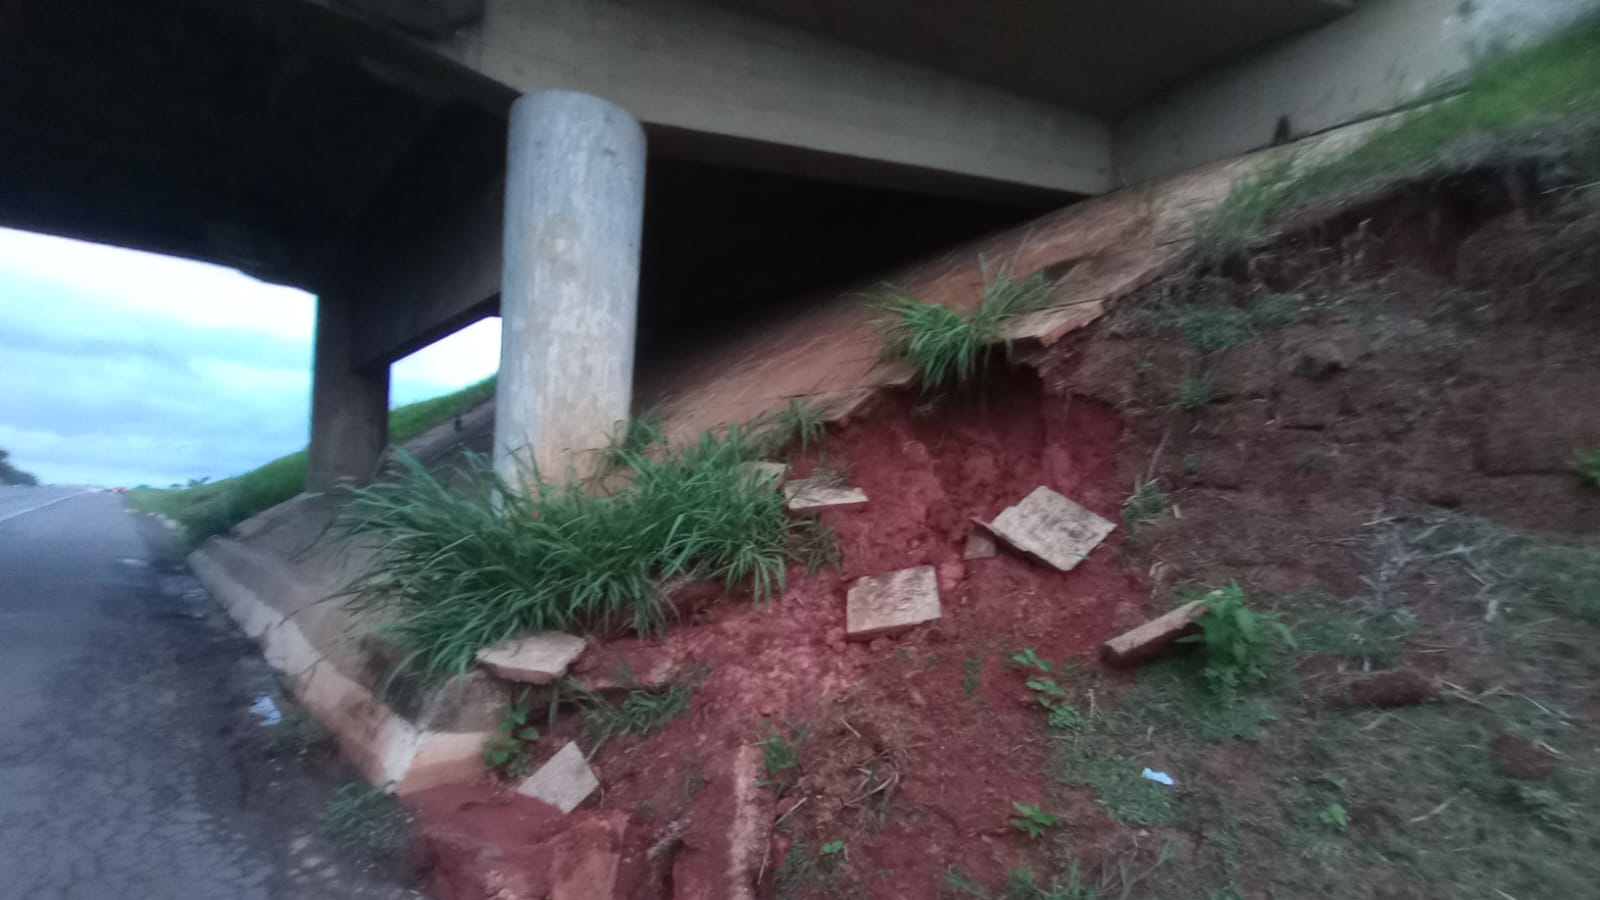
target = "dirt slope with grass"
x: 1372, y: 423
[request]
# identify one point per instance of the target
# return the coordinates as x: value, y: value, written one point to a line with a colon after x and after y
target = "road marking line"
x: 7, y: 518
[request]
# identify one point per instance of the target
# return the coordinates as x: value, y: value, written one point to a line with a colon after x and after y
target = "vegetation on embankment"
x: 1504, y: 100
x: 471, y: 560
x: 209, y: 508
x: 9, y: 474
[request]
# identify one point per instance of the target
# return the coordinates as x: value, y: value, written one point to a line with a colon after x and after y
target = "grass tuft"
x: 951, y: 348
x: 365, y: 817
x: 1512, y: 90
x: 472, y: 560
x: 1145, y: 503
x: 1587, y: 465
x: 641, y: 712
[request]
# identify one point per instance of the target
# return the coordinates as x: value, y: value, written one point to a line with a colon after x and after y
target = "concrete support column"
x: 570, y: 280
x: 349, y: 408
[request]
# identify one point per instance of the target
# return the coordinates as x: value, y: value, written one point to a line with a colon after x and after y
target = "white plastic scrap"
x: 1158, y: 777
x: 266, y: 710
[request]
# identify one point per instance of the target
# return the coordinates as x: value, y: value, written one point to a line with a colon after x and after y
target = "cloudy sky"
x: 124, y: 368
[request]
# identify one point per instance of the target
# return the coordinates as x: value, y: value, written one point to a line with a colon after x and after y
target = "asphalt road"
x: 130, y: 764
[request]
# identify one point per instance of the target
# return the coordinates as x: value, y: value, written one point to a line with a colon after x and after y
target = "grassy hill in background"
x: 214, y: 507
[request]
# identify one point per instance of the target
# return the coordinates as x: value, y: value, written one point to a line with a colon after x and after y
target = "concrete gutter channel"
x: 392, y: 750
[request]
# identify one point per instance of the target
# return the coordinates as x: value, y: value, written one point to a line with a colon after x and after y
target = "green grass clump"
x: 365, y: 817
x: 1240, y: 644
x: 641, y: 712
x: 1517, y: 567
x: 950, y: 348
x: 473, y: 560
x: 1587, y: 465
x: 1512, y: 90
x: 406, y: 422
x: 1145, y: 503
x: 211, y: 508
x: 634, y: 437
x: 1213, y: 325
x: 803, y: 422
x: 1194, y: 393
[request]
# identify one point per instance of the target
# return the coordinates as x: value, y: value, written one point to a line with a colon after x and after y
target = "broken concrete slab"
x: 764, y: 473
x: 536, y: 659
x: 1051, y: 529
x: 820, y: 492
x: 563, y: 782
x: 886, y: 604
x: 1153, y: 637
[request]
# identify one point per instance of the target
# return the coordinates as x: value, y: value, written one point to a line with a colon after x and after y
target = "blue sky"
x: 124, y: 368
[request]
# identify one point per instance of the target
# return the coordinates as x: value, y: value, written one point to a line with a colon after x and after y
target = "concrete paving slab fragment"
x: 536, y: 659
x: 884, y: 604
x: 819, y: 493
x: 1153, y: 637
x: 1051, y: 528
x: 563, y: 782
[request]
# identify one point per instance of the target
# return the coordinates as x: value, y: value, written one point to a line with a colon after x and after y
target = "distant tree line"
x: 10, y: 474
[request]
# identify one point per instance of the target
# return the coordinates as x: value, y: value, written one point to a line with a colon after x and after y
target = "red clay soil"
x: 1428, y: 368
x: 903, y: 709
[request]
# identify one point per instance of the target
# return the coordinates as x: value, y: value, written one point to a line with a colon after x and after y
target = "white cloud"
x: 120, y: 367
x: 471, y: 354
x: 163, y: 287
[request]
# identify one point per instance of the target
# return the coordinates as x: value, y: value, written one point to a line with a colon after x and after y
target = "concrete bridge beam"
x: 349, y: 404
x: 574, y: 217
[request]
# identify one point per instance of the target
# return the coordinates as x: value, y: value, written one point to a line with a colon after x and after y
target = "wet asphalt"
x: 130, y: 763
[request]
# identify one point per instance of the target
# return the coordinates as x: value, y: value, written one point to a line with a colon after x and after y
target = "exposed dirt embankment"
x: 1431, y: 352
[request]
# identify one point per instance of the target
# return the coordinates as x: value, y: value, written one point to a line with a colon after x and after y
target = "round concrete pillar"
x: 570, y: 282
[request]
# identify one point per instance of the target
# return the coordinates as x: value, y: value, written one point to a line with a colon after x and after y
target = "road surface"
x: 130, y: 764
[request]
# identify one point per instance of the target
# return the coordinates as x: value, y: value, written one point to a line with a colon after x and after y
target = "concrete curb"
x: 389, y: 749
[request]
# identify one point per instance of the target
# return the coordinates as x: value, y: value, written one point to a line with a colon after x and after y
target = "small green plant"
x: 950, y: 348
x: 1191, y: 463
x: 1047, y: 689
x: 1335, y: 817
x: 803, y: 422
x: 1212, y: 323
x: 1027, y: 658
x: 782, y: 757
x: 364, y: 816
x: 1145, y: 503
x: 1031, y: 820
x: 832, y: 848
x: 971, y: 672
x: 509, y: 751
x: 1064, y: 718
x: 1194, y: 393
x: 1587, y: 465
x: 1049, y: 694
x: 1239, y: 642
x: 641, y: 712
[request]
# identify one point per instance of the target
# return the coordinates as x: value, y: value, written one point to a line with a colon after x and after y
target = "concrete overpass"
x: 358, y: 149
